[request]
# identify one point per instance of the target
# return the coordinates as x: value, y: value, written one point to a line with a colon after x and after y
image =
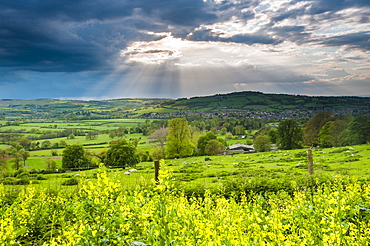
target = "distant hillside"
x: 54, y: 108
x: 266, y: 102
x: 248, y: 104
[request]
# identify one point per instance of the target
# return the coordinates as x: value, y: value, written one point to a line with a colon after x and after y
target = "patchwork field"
x: 274, y: 167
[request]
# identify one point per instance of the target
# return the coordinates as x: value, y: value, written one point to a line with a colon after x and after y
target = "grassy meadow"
x: 195, y: 171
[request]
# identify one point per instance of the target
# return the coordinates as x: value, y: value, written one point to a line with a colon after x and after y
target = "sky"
x: 104, y: 49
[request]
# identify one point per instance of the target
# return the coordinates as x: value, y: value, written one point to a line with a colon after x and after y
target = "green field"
x: 4, y: 146
x: 275, y: 165
x: 103, y: 127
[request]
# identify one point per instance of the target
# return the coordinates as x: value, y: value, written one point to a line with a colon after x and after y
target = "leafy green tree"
x: 223, y: 131
x: 338, y: 131
x: 263, y: 131
x: 228, y: 127
x: 213, y: 147
x: 25, y: 142
x: 273, y: 135
x: 3, y: 159
x: 62, y: 143
x: 157, y: 153
x: 54, y: 152
x: 89, y: 156
x: 333, y: 133
x: 15, y: 146
x: 51, y: 164
x: 120, y: 132
x: 17, y: 158
x: 262, y: 143
x: 121, y: 154
x: 239, y: 130
x: 179, y: 139
x: 213, y: 129
x: 194, y: 135
x: 289, y: 135
x: 24, y: 155
x: 324, y: 135
x: 91, y: 135
x: 312, y: 127
x: 203, y: 140
x: 46, y: 144
x: 112, y: 134
x: 100, y: 155
x: 359, y: 130
x: 33, y: 146
x: 74, y: 157
x: 144, y: 156
x: 135, y: 141
x: 268, y: 131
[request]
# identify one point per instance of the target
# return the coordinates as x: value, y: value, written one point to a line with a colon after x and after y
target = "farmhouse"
x: 239, y: 148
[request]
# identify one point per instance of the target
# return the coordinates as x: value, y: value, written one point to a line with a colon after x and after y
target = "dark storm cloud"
x: 85, y: 35
x: 354, y: 40
x: 40, y: 35
x: 256, y: 38
x: 296, y: 34
x: 39, y: 46
x: 66, y: 10
x: 179, y: 12
x: 322, y: 6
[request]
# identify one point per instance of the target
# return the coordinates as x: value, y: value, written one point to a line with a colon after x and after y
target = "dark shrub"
x: 23, y: 175
x: 40, y: 177
x: 8, y: 181
x: 71, y: 181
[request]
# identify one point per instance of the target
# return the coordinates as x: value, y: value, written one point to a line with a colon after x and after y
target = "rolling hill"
x: 249, y: 100
x: 248, y: 103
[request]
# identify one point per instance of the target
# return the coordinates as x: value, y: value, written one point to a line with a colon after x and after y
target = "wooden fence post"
x: 156, y: 171
x: 310, y: 161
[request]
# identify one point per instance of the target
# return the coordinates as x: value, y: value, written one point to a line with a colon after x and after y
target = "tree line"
x: 180, y: 139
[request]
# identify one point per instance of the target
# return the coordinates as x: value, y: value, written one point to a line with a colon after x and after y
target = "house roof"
x: 241, y: 146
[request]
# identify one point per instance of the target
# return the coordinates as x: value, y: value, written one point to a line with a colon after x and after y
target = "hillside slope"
x: 247, y: 103
x: 249, y: 100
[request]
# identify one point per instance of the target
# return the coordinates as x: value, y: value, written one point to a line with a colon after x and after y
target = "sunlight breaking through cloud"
x: 155, y: 52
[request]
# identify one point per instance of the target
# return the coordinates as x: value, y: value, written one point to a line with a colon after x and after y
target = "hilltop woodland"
x: 74, y: 158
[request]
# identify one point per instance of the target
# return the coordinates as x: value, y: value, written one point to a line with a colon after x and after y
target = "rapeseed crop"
x: 102, y: 213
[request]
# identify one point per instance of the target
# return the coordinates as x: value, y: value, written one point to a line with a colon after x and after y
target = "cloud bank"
x: 165, y: 48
